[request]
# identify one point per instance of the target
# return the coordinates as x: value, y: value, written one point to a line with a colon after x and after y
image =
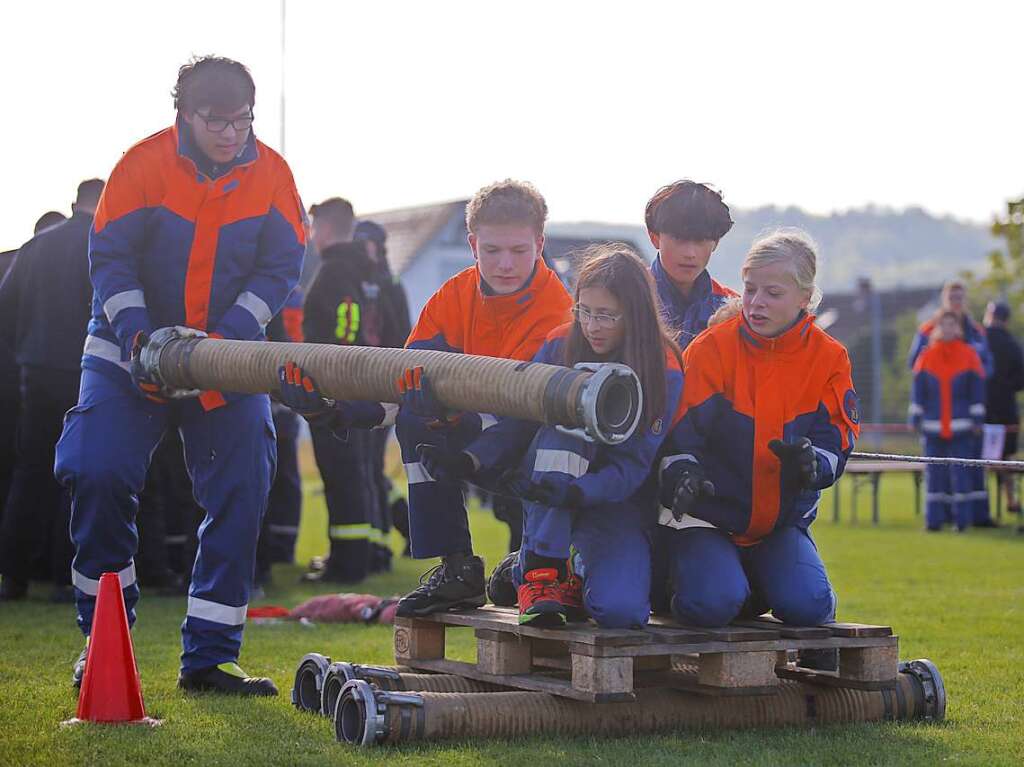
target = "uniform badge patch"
x: 851, y: 404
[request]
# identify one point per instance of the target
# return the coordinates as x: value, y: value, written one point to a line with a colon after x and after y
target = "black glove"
x: 550, y: 492
x: 146, y: 384
x: 799, y: 463
x: 444, y: 466
x: 690, y: 485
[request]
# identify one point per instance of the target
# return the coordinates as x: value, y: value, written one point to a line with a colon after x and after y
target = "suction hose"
x: 601, y: 401
x: 318, y: 682
x: 365, y: 715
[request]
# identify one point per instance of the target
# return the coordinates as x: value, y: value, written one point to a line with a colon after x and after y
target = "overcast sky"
x: 823, y: 105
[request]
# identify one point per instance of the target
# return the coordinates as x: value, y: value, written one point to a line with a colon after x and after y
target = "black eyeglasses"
x: 220, y: 124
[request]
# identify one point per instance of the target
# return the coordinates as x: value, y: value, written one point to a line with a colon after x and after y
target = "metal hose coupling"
x: 932, y: 688
x: 360, y: 714
x: 309, y: 682
x: 600, y: 402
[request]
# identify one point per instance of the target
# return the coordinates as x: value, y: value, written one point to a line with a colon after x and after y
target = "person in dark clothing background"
x: 48, y: 220
x: 344, y: 305
x: 396, y: 306
x: 8, y: 404
x: 1001, y: 388
x: 44, y: 311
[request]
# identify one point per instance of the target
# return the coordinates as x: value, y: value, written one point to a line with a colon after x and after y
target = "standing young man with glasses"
x: 199, y: 229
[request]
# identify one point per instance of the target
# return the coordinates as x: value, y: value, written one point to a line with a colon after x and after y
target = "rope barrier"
x: 982, y: 462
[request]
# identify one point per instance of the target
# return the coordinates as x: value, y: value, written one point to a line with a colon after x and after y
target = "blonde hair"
x: 507, y: 202
x: 791, y: 246
x: 726, y: 311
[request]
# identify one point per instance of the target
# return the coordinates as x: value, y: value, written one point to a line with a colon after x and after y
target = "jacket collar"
x: 514, y: 303
x: 787, y: 342
x: 188, y: 150
x: 671, y: 297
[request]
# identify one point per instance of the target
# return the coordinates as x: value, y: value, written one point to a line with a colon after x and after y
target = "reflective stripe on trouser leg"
x: 977, y: 488
x: 438, y: 523
x: 343, y: 466
x: 231, y: 456
x: 102, y: 457
x: 937, y: 508
x: 612, y: 541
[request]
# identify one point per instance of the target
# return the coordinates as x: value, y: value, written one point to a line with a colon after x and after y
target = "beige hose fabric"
x: 516, y: 714
x: 545, y: 393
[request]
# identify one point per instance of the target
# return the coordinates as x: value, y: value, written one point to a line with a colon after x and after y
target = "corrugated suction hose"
x: 365, y: 715
x: 603, y: 401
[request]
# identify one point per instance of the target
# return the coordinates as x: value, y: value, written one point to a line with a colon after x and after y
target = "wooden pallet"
x: 589, y: 663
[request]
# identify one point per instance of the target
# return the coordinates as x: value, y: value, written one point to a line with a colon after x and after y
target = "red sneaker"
x: 572, y: 596
x: 541, y: 599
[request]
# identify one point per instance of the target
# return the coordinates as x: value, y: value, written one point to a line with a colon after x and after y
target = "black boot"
x: 455, y: 584
x: 501, y: 589
x: 226, y: 678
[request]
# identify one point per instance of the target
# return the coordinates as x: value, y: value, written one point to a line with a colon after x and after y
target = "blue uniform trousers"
x: 438, y: 523
x: 980, y: 513
x: 284, y: 508
x: 614, y: 556
x: 716, y: 580
x: 949, y: 488
x: 102, y: 457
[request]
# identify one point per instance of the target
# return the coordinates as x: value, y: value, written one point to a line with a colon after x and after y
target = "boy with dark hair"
x: 685, y: 220
x: 199, y: 231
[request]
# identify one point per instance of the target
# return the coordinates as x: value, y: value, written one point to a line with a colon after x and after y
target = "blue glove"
x: 300, y: 393
x: 550, y: 492
x: 417, y: 398
x: 444, y: 466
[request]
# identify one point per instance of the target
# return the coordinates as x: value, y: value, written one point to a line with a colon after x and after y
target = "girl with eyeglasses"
x: 593, y: 499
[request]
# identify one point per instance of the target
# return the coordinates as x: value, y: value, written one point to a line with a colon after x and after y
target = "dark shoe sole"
x: 203, y: 687
x: 547, y: 620
x: 442, y: 607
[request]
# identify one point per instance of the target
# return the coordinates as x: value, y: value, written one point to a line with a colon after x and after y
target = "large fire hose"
x: 601, y: 401
x: 318, y: 682
x: 368, y: 716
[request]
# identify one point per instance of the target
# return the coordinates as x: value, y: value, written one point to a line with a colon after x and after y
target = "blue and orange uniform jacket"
x: 974, y: 336
x: 603, y: 473
x: 948, y: 392
x: 177, y: 242
x: 462, y: 316
x: 744, y: 390
x: 687, y: 317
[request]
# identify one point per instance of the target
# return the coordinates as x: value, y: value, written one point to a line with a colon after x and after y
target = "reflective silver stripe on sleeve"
x: 669, y: 460
x: 832, y: 458
x: 915, y: 409
x: 977, y: 409
x: 128, y: 299
x: 105, y: 350
x: 390, y: 414
x: 91, y: 586
x: 256, y: 306
x: 487, y: 421
x: 962, y: 424
x: 215, y: 612
x: 416, y: 473
x: 564, y: 461
x: 665, y: 518
x: 930, y: 426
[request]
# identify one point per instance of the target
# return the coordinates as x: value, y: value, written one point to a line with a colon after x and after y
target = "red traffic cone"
x: 111, y: 691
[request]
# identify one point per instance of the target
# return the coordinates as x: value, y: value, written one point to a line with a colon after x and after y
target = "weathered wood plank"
x: 738, y: 669
x: 417, y: 639
x: 869, y: 664
x: 503, y: 655
x: 602, y: 675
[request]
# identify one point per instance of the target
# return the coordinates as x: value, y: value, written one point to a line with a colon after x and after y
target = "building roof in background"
x: 846, y: 315
x: 410, y: 229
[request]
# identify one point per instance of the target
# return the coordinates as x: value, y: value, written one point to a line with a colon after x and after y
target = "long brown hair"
x: 618, y: 269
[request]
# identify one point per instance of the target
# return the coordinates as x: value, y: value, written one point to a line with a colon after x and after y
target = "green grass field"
x: 958, y: 600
